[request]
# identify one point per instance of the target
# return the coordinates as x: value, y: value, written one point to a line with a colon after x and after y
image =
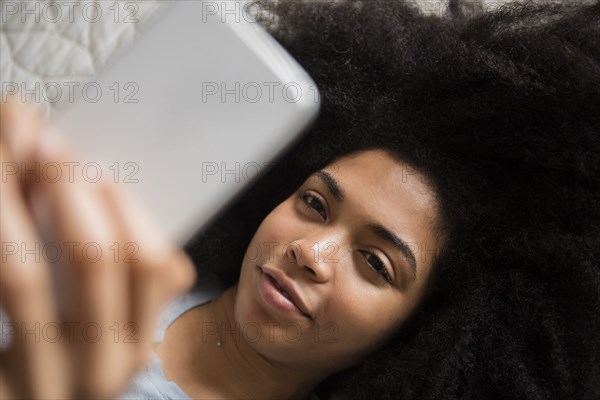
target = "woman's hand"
x: 112, y: 292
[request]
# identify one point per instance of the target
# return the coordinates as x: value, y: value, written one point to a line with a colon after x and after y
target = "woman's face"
x: 356, y: 242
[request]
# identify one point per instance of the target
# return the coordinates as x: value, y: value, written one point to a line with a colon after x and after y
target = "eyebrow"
x: 332, y: 184
x: 379, y: 230
x: 399, y: 244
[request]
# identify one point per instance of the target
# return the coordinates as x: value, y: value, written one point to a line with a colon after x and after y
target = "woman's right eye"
x: 313, y: 203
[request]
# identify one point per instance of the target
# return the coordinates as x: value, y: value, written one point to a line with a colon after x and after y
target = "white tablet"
x: 190, y: 114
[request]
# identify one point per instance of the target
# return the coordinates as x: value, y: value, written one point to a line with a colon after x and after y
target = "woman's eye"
x: 376, y: 263
x: 314, y: 203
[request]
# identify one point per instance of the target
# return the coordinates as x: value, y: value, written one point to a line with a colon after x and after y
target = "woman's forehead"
x: 384, y: 180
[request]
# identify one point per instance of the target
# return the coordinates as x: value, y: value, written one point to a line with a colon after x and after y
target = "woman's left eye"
x: 378, y: 265
x: 314, y: 203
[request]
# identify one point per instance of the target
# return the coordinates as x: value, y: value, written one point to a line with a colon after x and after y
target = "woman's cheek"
x: 280, y: 225
x: 363, y: 317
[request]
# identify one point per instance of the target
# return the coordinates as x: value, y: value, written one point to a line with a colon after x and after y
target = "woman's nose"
x: 317, y: 258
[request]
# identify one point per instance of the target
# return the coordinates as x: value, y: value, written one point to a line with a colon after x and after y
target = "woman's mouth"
x: 277, y: 297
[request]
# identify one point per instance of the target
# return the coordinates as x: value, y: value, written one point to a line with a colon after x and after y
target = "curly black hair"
x: 502, y: 113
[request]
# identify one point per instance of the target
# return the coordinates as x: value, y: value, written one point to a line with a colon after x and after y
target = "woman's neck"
x: 208, y: 354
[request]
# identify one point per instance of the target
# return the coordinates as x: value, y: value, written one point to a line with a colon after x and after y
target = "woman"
x: 474, y: 142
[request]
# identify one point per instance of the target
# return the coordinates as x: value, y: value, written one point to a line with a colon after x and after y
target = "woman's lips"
x: 276, y: 297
